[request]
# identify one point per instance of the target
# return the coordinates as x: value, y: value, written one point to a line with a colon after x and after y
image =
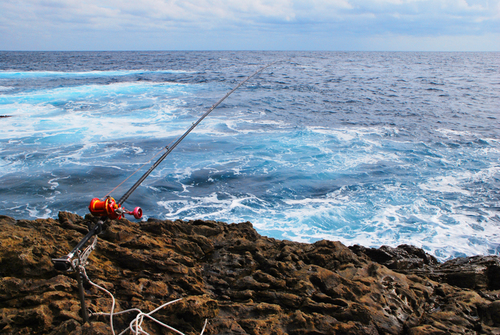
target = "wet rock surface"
x: 243, y: 283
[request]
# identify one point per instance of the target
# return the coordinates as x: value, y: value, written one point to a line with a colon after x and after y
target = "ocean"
x: 369, y: 148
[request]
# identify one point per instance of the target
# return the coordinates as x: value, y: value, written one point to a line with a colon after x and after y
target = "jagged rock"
x: 404, y: 257
x: 243, y: 283
x: 478, y: 272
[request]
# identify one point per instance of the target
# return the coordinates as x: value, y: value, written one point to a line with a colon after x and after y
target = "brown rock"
x: 243, y: 283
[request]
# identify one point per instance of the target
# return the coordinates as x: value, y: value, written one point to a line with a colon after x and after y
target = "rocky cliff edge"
x: 239, y: 281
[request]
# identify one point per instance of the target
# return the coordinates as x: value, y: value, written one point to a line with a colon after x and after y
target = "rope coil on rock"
x: 135, y: 325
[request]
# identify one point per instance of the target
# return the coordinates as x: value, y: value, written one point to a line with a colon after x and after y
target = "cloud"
x: 35, y: 22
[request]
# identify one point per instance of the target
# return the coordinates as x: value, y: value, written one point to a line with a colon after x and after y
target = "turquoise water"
x: 365, y: 148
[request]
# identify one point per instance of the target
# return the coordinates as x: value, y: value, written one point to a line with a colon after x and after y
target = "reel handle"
x: 137, y: 213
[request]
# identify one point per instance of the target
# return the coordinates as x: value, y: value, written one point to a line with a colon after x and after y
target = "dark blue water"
x: 365, y: 148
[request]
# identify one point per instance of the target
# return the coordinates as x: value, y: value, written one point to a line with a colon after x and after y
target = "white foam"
x: 229, y: 208
x: 445, y: 184
x: 84, y: 126
x: 53, y: 182
x: 6, y: 74
x: 354, y: 133
x: 93, y: 94
x: 42, y: 213
x: 454, y: 132
x: 45, y: 121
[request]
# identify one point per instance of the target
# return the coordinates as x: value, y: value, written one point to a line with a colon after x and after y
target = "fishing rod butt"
x: 67, y: 263
x: 62, y: 264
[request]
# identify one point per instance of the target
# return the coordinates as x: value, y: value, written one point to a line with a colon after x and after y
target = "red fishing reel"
x: 108, y: 207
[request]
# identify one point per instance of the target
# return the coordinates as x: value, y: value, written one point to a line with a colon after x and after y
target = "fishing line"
x: 143, y: 165
x: 179, y: 140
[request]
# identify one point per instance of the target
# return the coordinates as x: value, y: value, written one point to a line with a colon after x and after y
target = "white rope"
x: 135, y: 325
x: 112, y: 304
x: 204, y: 326
x: 138, y: 324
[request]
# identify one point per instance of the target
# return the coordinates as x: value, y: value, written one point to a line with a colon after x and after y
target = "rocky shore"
x: 239, y: 281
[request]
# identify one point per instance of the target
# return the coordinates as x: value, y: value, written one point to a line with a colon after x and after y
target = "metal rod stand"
x: 68, y: 264
x: 81, y: 293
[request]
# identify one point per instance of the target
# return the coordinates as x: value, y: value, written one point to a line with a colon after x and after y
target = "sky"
x: 336, y: 25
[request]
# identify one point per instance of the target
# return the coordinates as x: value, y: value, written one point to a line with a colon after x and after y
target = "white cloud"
x: 45, y: 21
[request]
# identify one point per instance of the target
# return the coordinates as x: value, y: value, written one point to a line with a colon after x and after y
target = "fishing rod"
x: 114, y: 210
x: 108, y: 208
